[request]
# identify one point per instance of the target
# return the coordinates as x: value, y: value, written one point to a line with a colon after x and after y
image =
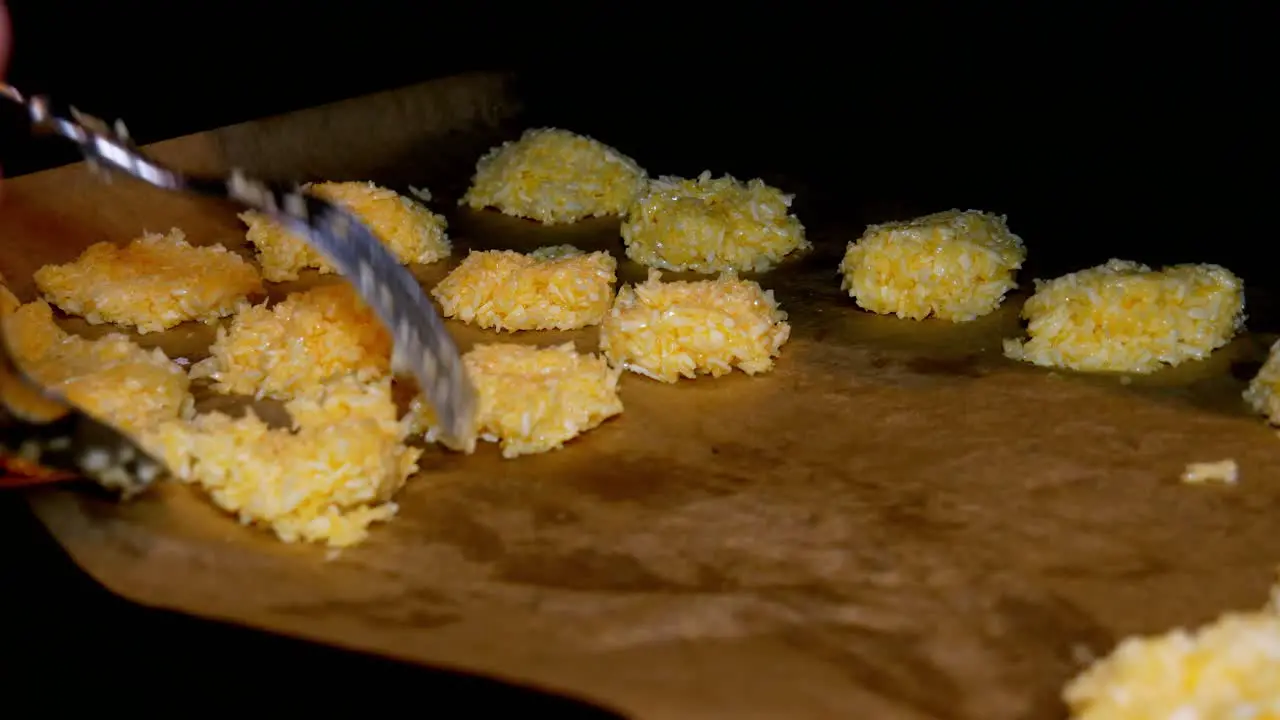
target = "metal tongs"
x: 43, y: 428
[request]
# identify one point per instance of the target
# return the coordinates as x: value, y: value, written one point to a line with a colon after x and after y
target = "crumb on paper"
x: 1126, y: 317
x: 712, y: 225
x: 1222, y: 471
x: 154, y: 283
x: 669, y: 330
x: 1082, y: 654
x: 310, y: 338
x: 555, y: 176
x: 553, y: 288
x: 531, y: 399
x: 952, y: 265
x: 411, y: 232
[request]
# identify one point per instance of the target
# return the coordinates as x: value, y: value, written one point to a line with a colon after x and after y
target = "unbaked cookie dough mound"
x: 555, y: 177
x: 666, y: 331
x: 712, y: 225
x: 552, y: 288
x: 308, y: 339
x: 112, y: 378
x: 950, y: 265
x: 1229, y: 668
x: 412, y: 233
x: 531, y: 399
x: 154, y: 283
x: 1126, y: 317
x: 325, y: 480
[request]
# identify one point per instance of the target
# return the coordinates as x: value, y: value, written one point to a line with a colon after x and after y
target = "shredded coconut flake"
x: 666, y: 331
x: 111, y: 377
x: 154, y: 283
x: 1222, y: 471
x: 532, y: 399
x: 409, y: 230
x: 951, y: 265
x: 326, y: 480
x: 555, y: 176
x: 557, y: 287
x: 310, y: 338
x: 1226, y: 669
x: 712, y: 225
x: 1127, y: 317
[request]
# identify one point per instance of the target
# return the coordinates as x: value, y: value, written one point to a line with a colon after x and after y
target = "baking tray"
x: 896, y: 522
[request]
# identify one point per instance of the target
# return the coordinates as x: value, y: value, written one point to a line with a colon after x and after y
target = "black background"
x: 1133, y: 125
x: 1133, y: 130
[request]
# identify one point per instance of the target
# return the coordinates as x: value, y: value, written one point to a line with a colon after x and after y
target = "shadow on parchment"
x: 59, y: 628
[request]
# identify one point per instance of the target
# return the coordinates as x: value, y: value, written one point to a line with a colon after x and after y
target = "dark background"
x: 1131, y: 130
x: 1098, y: 131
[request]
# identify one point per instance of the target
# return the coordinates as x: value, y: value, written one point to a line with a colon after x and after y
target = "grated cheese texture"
x: 1226, y: 670
x: 952, y: 265
x: 555, y: 177
x: 311, y: 337
x: 154, y: 283
x: 712, y: 225
x: 112, y: 378
x: 531, y: 399
x: 1127, y: 317
x: 323, y: 481
x: 408, y: 229
x: 552, y: 288
x: 1263, y: 392
x: 1223, y: 471
x: 666, y: 331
